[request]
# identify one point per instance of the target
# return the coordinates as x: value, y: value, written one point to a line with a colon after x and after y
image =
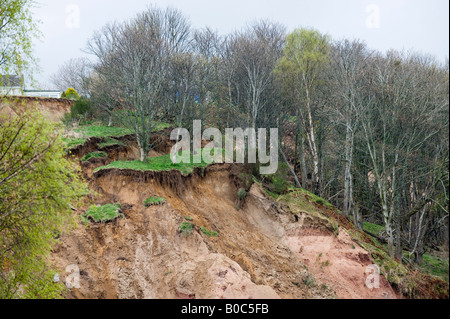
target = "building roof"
x: 42, y: 91
x: 11, y: 80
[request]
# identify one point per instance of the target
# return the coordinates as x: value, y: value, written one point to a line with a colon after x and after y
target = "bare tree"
x: 348, y: 60
x: 398, y: 121
x: 74, y: 73
x: 256, y: 51
x: 134, y: 58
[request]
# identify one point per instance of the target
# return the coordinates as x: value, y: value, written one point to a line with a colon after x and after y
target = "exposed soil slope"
x: 263, y: 250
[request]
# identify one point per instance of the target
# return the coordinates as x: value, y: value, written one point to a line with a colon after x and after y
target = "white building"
x: 12, y: 85
x: 43, y: 93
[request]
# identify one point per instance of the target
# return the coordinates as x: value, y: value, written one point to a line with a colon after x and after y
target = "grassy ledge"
x: 154, y: 201
x: 103, y: 131
x: 156, y: 164
x: 87, y: 157
x: 107, y: 132
x: 103, y: 214
x: 109, y: 141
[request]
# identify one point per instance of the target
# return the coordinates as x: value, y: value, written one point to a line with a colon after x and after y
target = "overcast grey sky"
x: 400, y: 24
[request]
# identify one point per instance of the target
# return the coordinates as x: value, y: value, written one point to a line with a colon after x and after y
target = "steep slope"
x: 263, y: 249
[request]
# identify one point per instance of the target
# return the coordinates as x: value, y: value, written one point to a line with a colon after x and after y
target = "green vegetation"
x: 109, y: 133
x: 312, y: 197
x: 209, y: 233
x: 241, y: 194
x: 73, y: 142
x: 103, y: 131
x: 81, y: 109
x: 309, y: 280
x: 302, y: 201
x: 436, y: 266
x: 276, y: 184
x: 71, y: 93
x: 87, y: 157
x: 245, y: 180
x: 189, y: 218
x: 18, y: 29
x: 36, y: 193
x: 154, y: 201
x: 186, y: 228
x: 373, y: 228
x: 109, y: 141
x: 161, y: 163
x: 105, y: 213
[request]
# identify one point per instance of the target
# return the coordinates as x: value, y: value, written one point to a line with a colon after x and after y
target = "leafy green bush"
x: 209, y: 233
x: 154, y: 201
x: 71, y: 93
x: 277, y: 183
x: 87, y: 157
x: 105, y: 213
x: 81, y: 110
x: 35, y: 203
x: 186, y: 228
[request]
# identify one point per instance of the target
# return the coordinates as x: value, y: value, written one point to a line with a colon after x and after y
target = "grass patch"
x: 309, y: 280
x: 209, y: 233
x: 241, y: 194
x: 87, y: 157
x: 186, y: 228
x: 373, y: 228
x: 302, y: 201
x: 73, y: 142
x: 103, y: 131
x: 109, y: 141
x: 103, y: 214
x: 436, y: 266
x: 312, y: 197
x: 161, y: 163
x: 154, y: 201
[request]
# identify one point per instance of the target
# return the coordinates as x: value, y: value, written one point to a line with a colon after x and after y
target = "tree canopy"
x: 37, y: 186
x: 18, y: 28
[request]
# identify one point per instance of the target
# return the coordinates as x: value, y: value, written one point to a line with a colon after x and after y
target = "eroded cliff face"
x: 263, y: 250
x: 51, y: 108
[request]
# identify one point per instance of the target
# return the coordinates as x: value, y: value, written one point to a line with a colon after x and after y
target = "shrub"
x: 320, y: 201
x: 71, y: 93
x: 241, y: 194
x: 245, y: 180
x: 154, y: 201
x: 186, y: 228
x: 105, y: 213
x: 309, y: 280
x: 209, y: 233
x: 81, y: 110
x: 277, y: 183
x: 38, y: 185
